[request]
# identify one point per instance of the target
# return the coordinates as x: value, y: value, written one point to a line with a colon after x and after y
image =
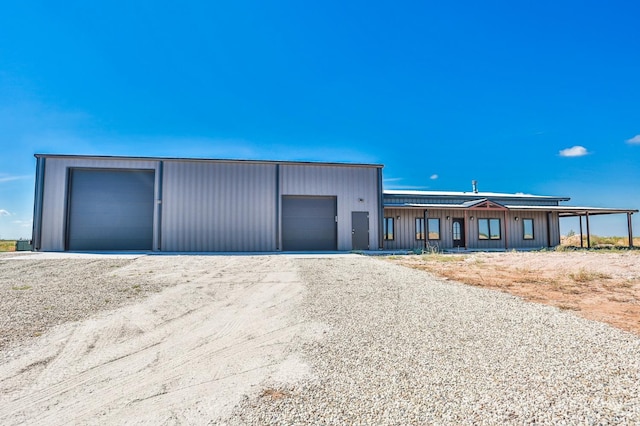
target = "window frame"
x: 524, y: 230
x: 429, y: 229
x: 419, y: 228
x: 490, y: 236
x: 385, y: 228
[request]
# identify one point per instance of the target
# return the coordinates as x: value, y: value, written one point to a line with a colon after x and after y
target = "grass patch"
x: 7, y: 245
x: 584, y: 276
x: 21, y: 287
x: 442, y: 258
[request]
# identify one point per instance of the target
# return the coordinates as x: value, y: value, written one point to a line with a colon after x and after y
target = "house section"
x: 478, y: 221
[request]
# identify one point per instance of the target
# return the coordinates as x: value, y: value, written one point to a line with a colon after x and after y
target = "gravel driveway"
x: 295, y: 340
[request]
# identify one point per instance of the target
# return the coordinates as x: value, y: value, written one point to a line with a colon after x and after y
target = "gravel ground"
x: 37, y: 294
x: 402, y: 347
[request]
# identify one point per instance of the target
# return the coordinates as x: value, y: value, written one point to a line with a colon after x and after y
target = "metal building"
x: 85, y: 203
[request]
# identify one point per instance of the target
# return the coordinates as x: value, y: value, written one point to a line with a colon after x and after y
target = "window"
x: 419, y: 228
x: 457, y: 231
x: 388, y: 228
x: 434, y: 228
x: 489, y: 229
x: 527, y: 229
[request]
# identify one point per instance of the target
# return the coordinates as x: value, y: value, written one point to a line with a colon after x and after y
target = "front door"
x: 360, y: 230
x: 457, y: 230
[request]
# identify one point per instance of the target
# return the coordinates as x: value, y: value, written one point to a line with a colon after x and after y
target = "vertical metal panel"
x: 380, y: 211
x: 356, y: 189
x: 217, y: 206
x: 36, y: 235
x: 158, y: 207
x: 54, y: 198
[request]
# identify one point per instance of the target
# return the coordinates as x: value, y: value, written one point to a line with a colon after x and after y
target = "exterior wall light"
x: 517, y: 218
x: 448, y: 217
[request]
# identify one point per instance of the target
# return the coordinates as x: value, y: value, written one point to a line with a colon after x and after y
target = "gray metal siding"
x: 110, y: 210
x: 217, y: 206
x: 355, y: 188
x: 516, y: 239
x: 405, y: 229
x: 54, y: 200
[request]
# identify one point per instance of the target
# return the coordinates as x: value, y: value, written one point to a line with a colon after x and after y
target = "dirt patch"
x: 601, y: 286
x: 185, y: 355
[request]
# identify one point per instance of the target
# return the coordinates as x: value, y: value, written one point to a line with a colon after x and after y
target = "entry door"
x: 360, y: 230
x: 457, y: 231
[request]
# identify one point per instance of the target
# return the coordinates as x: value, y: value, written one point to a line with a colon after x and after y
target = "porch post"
x: 466, y: 230
x: 549, y: 216
x: 630, y: 230
x: 588, y: 232
x: 581, y: 243
x: 425, y: 234
x: 506, y: 234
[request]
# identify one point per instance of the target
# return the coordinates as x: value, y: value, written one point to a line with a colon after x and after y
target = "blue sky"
x: 439, y: 92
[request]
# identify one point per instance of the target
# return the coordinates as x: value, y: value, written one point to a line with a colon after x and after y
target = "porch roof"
x: 563, y: 211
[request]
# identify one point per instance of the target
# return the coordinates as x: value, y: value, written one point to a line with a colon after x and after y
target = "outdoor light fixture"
x: 448, y: 217
x: 517, y: 218
x: 397, y: 217
x: 471, y: 218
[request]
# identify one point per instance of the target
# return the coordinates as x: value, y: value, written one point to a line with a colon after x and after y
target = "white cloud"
x: 8, y: 178
x: 434, y: 177
x: 23, y: 223
x: 574, y: 151
x: 3, y: 212
x: 393, y: 179
x: 634, y: 140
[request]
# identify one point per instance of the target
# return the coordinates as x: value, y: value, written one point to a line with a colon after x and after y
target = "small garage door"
x: 110, y: 210
x: 309, y: 223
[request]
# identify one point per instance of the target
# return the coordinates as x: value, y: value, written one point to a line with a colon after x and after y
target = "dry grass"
x: 7, y: 245
x: 602, y: 286
x: 597, y: 241
x: 274, y: 394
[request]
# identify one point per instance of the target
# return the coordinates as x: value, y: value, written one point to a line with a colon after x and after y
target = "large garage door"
x: 110, y: 210
x: 309, y: 223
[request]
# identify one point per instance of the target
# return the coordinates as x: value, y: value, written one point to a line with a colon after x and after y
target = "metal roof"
x: 211, y: 160
x: 461, y: 194
x: 563, y: 211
